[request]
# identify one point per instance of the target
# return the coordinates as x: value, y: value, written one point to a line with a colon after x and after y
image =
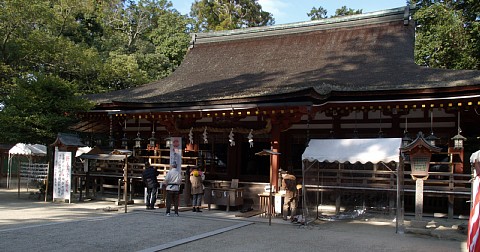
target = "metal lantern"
x: 458, y: 141
x: 406, y: 140
x: 152, y: 139
x: 168, y: 142
x: 431, y: 139
x: 125, y: 141
x: 111, y: 142
x: 138, y: 140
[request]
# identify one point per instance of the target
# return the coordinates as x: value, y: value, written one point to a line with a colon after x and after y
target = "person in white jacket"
x: 173, y: 179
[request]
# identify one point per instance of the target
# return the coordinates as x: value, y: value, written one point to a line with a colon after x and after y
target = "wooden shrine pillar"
x: 275, y: 159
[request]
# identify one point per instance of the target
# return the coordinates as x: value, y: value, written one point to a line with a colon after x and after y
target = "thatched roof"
x: 367, y: 52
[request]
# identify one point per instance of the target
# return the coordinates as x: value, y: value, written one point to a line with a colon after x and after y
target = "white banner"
x: 62, y: 170
x: 176, y: 152
x: 278, y: 204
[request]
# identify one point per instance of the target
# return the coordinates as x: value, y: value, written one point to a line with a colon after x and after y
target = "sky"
x: 291, y: 11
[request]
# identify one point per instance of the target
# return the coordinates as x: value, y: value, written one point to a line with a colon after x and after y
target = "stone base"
x: 418, y: 224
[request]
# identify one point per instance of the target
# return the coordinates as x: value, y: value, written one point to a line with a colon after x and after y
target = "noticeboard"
x: 62, y: 170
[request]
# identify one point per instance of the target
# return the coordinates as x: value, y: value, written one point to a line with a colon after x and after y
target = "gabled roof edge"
x: 396, y: 14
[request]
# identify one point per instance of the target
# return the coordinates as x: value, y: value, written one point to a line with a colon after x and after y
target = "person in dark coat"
x: 149, y: 177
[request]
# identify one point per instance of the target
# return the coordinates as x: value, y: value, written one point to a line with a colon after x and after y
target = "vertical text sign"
x: 62, y: 175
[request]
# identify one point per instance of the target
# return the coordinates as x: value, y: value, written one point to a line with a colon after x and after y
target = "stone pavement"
x: 27, y: 224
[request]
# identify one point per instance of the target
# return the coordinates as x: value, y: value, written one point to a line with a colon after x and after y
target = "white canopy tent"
x: 21, y: 149
x: 374, y: 150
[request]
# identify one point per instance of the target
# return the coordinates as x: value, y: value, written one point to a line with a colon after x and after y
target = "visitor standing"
x: 196, y: 178
x: 173, y: 179
x: 149, y: 177
x: 289, y: 184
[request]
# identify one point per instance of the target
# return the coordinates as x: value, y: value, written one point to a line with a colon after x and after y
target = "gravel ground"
x: 27, y: 225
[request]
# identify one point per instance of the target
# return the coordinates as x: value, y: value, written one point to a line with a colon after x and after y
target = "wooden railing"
x: 437, y: 182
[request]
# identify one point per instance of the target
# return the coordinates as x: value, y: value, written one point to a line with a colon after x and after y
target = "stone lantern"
x: 419, y: 153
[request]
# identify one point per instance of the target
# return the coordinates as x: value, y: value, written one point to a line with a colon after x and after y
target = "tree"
x: 316, y: 14
x: 122, y: 71
x: 133, y: 20
x: 447, y: 34
x: 217, y: 15
x: 344, y: 11
x: 51, y: 51
x: 171, y: 40
x: 321, y: 13
x: 39, y: 108
x: 84, y: 42
x: 149, y: 35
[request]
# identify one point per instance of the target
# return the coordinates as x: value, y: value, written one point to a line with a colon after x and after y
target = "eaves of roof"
x: 303, y: 62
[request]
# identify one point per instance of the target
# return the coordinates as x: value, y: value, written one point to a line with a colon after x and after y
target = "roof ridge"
x: 395, y: 14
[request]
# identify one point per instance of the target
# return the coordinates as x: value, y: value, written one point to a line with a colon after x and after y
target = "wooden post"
x: 125, y: 182
x: 451, y: 200
x: 338, y: 202
x: 400, y: 210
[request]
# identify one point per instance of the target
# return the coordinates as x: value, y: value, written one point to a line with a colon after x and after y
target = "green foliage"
x: 122, y: 71
x: 171, y: 39
x: 316, y: 14
x: 217, y: 15
x: 446, y: 36
x: 85, y: 42
x: 321, y: 13
x: 6, y: 74
x: 38, y: 108
x: 72, y: 47
x: 344, y: 11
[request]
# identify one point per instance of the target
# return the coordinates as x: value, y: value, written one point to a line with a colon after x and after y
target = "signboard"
x: 62, y: 170
x: 176, y: 152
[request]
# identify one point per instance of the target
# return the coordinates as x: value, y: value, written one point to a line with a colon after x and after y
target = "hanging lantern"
x: 458, y: 141
x: 152, y: 139
x: 431, y: 139
x: 125, y: 141
x: 168, y: 142
x: 138, y: 140
x: 111, y: 142
x: 406, y: 140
